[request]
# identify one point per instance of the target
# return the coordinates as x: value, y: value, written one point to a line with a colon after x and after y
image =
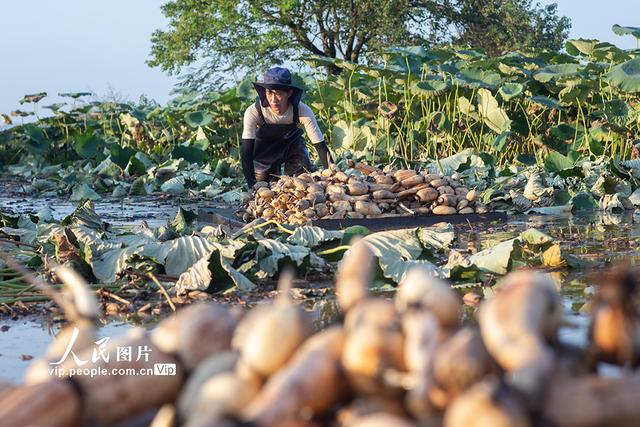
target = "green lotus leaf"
x: 607, y: 52
x: 37, y: 143
x: 509, y: 91
x: 347, y: 65
x: 139, y: 187
x: 595, y: 147
x: 74, y: 95
x: 556, y: 71
x: 625, y: 76
x: 571, y: 95
x: 190, y: 154
x: 564, y: 166
x: 440, y: 121
x: 617, y: 111
x: 565, y: 131
x: 198, y: 118
x: 20, y: 113
x: 375, y: 71
x: 469, y: 54
x: 497, y: 259
x: 430, y: 87
x: 623, y: 31
x: 318, y: 61
x: 55, y: 107
x: 184, y: 252
x: 397, y: 251
x: 601, y: 134
x: 85, y: 215
x: 581, y: 46
x: 272, y: 254
x: 526, y: 159
x: 477, y: 78
x: 245, y: 89
x: 87, y: 144
x: 512, y: 70
x: 352, y: 136
x: 183, y: 221
x: 546, y: 102
x: 584, y: 201
x: 121, y: 155
x: 500, y: 142
x: 135, y: 167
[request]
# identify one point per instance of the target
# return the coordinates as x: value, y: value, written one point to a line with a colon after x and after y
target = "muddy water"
x: 598, y: 240
x: 127, y: 211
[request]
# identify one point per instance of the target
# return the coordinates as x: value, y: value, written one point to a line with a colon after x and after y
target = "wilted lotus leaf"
x: 33, y: 98
x: 74, y: 95
x: 19, y: 113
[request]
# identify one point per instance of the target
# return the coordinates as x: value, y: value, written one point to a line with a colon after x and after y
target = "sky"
x: 101, y: 46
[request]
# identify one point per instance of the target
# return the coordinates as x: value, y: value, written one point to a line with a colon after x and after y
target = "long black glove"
x: 247, y: 161
x: 323, y: 153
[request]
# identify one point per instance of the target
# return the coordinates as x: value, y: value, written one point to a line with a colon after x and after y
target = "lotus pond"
x: 110, y: 189
x: 573, y: 247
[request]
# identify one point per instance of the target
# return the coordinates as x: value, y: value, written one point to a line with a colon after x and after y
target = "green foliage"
x: 415, y: 106
x: 223, y: 35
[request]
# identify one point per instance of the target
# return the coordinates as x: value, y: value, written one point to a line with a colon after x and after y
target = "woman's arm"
x: 246, y: 157
x: 323, y: 153
x: 249, y: 125
x: 308, y: 120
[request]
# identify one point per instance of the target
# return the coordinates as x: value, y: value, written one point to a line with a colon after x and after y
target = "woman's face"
x: 278, y: 100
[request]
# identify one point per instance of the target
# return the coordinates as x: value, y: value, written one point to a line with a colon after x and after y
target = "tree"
x: 498, y: 26
x: 240, y: 35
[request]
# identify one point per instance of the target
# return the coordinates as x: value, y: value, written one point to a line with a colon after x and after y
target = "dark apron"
x: 278, y: 144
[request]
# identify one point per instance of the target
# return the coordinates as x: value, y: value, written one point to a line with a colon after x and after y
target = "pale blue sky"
x: 95, y: 45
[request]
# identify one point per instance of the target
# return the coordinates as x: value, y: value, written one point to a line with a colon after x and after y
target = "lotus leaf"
x: 198, y: 118
x: 430, y: 87
x: 494, y: 117
x: 34, y: 98
x: 397, y: 251
x: 621, y: 31
x: 190, y: 154
x: 271, y: 252
x: 581, y: 46
x: 626, y: 76
x: 509, y: 91
x: 37, y: 143
x: 311, y: 236
x: 583, y: 201
x: 185, y: 251
x: 545, y: 101
x: 556, y: 71
x: 83, y: 192
x: 212, y: 273
x: 173, y: 185
x: 477, y: 78
x: 617, y: 111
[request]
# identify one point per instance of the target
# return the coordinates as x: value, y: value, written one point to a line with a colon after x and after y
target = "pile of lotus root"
x: 332, y: 194
x: 401, y: 362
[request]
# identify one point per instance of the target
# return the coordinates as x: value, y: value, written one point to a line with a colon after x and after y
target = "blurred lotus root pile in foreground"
x: 406, y: 361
